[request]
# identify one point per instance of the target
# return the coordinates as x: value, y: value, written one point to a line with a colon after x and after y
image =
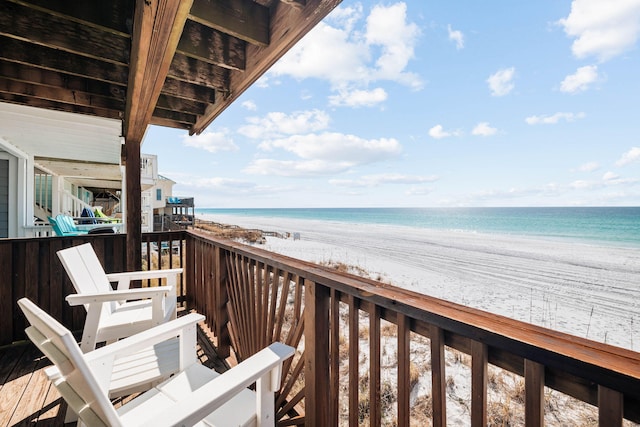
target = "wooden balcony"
x: 368, y: 353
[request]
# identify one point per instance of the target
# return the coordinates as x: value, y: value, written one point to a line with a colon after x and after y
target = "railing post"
x: 438, y: 385
x: 316, y: 353
x: 479, y: 361
x: 220, y: 298
x: 610, y: 407
x: 534, y: 393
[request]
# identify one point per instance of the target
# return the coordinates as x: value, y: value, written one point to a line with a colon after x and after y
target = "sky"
x: 422, y: 103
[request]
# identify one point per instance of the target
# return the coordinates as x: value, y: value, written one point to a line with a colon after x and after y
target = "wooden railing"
x: 376, y: 354
x: 30, y: 268
x: 368, y: 353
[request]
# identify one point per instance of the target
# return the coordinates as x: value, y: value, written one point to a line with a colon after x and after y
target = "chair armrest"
x: 203, y: 401
x: 128, y: 294
x: 147, y: 338
x: 124, y: 278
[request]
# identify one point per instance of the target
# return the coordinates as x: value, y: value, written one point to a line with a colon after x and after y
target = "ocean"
x: 618, y: 226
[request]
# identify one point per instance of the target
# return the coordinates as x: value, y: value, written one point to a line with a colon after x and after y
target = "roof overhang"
x: 84, y: 149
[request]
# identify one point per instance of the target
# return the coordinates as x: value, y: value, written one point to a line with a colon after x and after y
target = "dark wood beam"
x: 160, y: 121
x: 157, y: 28
x: 172, y: 103
x: 174, y: 116
x: 244, y: 19
x: 290, y: 25
x: 184, y: 90
x: 65, y: 96
x: 113, y: 16
x: 208, y: 45
x: 201, y: 73
x: 53, y: 105
x: 52, y: 59
x: 38, y: 27
x: 38, y: 76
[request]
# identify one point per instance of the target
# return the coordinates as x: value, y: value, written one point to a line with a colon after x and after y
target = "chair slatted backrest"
x: 55, y: 226
x: 72, y: 376
x: 66, y: 224
x: 86, y: 272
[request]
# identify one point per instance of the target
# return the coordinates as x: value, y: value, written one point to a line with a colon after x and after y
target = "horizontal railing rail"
x: 370, y: 352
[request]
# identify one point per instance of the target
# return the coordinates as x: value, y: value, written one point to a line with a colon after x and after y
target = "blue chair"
x: 63, y: 225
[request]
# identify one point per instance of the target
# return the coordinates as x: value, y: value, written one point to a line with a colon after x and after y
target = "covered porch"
x: 356, y: 339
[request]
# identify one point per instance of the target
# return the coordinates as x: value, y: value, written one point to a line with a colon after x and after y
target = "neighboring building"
x: 52, y: 162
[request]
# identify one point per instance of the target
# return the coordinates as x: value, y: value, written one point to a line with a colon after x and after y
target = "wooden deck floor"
x: 27, y: 398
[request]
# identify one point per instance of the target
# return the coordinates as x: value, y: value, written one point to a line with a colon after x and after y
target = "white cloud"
x: 438, y: 132
x: 382, y: 179
x: 296, y: 168
x: 456, y: 36
x: 501, y: 82
x: 276, y: 124
x: 631, y: 156
x: 337, y: 147
x: 580, y: 80
x: 589, y: 167
x: 211, y: 141
x: 552, y: 120
x: 603, y: 29
x: 582, y: 185
x: 352, y: 56
x: 358, y: 98
x: 250, y: 105
x: 483, y: 129
x: 610, y: 176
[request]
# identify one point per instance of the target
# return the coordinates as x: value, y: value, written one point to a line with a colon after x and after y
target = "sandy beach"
x: 587, y: 290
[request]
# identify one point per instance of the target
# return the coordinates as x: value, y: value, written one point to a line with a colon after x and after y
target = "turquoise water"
x: 610, y: 225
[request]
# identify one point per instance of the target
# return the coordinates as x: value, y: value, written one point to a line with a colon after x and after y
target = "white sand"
x: 586, y: 290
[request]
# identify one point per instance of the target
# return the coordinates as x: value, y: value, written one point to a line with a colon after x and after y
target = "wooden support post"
x: 438, y: 384
x: 610, y: 407
x: 479, y: 362
x: 316, y: 353
x: 534, y: 393
x: 134, y: 206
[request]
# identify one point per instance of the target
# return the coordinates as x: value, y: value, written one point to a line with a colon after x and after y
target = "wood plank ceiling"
x: 164, y: 62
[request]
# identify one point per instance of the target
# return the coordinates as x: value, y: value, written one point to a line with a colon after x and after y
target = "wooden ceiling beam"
x: 53, y: 105
x: 184, y: 90
x: 35, y: 26
x: 174, y: 116
x: 244, y: 19
x: 112, y: 16
x: 172, y: 103
x: 212, y: 46
x: 64, y: 96
x: 290, y: 24
x: 38, y: 76
x: 161, y: 121
x: 52, y: 59
x: 157, y: 28
x: 200, y: 73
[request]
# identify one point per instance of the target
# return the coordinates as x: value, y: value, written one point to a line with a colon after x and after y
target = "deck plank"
x: 16, y: 382
x: 27, y: 398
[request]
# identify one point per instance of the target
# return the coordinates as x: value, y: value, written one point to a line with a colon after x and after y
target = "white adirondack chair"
x: 195, y: 396
x: 111, y: 314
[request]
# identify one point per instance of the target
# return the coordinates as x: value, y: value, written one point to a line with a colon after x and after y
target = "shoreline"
x: 580, y: 288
